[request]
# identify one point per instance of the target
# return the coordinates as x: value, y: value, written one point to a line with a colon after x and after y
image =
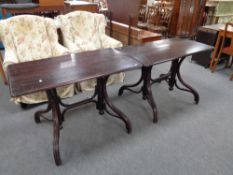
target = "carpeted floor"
x: 189, y: 139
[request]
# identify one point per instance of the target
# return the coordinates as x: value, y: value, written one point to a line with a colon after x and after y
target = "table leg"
x: 145, y: 89
x: 128, y: 87
x: 39, y: 114
x: 175, y: 72
x: 147, y: 93
x: 104, y: 102
x: 52, y: 97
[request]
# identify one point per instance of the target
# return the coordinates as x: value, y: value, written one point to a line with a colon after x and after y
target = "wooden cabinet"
x: 50, y: 2
x: 81, y: 5
x: 136, y: 36
x: 143, y: 2
x: 187, y: 16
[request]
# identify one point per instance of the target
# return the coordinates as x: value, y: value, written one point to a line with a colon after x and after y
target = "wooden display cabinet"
x: 187, y: 17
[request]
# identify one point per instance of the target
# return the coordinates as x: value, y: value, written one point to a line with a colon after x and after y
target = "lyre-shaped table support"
x: 171, y: 77
x: 103, y: 104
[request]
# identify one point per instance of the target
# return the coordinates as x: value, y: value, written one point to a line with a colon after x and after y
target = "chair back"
x: 80, y: 27
x: 27, y: 38
x: 142, y: 13
x: 153, y: 15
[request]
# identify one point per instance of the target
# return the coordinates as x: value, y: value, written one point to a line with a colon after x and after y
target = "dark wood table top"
x: 164, y: 50
x: 29, y: 77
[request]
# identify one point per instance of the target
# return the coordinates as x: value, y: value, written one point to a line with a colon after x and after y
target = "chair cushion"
x: 20, y: 6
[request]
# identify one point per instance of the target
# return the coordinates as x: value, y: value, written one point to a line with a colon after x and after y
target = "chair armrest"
x: 108, y: 42
x: 9, y: 58
x: 2, y: 72
x: 60, y: 50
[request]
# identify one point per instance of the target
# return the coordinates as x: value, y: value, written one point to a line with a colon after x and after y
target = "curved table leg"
x: 189, y: 88
x: 175, y: 72
x: 56, y: 124
x: 128, y: 87
x: 104, y: 102
x: 147, y: 92
x: 40, y: 113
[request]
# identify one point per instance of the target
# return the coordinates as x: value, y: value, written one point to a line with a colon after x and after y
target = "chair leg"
x: 216, y: 54
x: 231, y: 62
x: 228, y: 63
x: 2, y: 72
x: 231, y: 77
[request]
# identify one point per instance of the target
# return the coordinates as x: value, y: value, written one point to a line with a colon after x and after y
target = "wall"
x: 149, y: 2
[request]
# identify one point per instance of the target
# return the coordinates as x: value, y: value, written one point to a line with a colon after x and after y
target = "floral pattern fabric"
x: 29, y: 38
x: 85, y: 31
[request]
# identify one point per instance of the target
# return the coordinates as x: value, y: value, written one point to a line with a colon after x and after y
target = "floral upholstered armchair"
x: 85, y: 31
x: 29, y: 38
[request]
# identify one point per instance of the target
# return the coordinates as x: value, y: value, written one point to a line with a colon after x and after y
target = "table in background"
x: 81, y: 5
x: 43, y: 6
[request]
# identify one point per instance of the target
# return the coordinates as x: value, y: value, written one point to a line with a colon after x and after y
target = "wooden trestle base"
x: 171, y: 78
x: 103, y: 104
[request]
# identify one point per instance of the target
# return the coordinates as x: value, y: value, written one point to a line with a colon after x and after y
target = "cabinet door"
x: 186, y: 17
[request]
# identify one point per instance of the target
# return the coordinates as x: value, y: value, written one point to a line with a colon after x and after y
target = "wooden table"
x: 49, y: 74
x: 150, y: 54
x: 81, y: 5
x: 39, y: 9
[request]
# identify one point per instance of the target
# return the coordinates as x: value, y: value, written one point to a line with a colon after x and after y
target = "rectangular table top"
x: 29, y: 77
x: 163, y: 50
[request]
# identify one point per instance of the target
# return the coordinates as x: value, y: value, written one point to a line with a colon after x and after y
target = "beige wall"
x: 149, y: 2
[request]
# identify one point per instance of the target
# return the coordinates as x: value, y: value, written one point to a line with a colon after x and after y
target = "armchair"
x: 29, y: 38
x: 85, y: 31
